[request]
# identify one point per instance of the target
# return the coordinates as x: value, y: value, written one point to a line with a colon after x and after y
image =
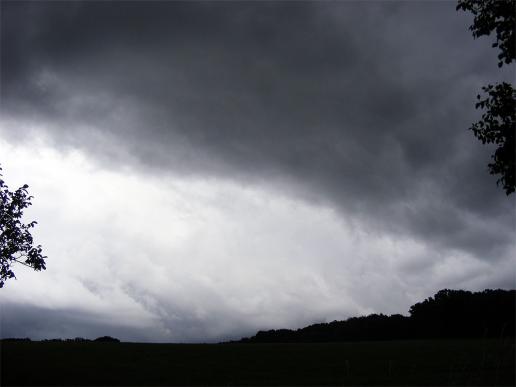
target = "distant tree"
x: 448, y: 314
x: 107, y: 339
x: 16, y: 242
x: 459, y: 313
x: 16, y: 340
x: 498, y: 123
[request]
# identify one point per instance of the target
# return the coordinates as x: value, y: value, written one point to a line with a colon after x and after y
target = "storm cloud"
x: 355, y: 112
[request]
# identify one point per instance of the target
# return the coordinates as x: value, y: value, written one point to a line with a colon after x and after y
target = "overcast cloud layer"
x: 204, y: 170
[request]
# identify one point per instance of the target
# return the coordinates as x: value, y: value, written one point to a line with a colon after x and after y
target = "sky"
x: 205, y: 170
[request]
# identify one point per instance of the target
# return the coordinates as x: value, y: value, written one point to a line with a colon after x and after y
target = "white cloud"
x: 187, y: 259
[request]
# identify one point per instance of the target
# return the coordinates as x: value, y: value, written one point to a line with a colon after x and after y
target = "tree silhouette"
x: 498, y: 123
x: 494, y: 15
x: 16, y: 242
x: 497, y: 126
x: 448, y: 314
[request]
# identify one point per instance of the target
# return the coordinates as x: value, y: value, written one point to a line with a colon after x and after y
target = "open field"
x: 438, y: 362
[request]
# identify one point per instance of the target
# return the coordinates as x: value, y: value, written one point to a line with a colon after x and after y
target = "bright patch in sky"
x: 188, y: 259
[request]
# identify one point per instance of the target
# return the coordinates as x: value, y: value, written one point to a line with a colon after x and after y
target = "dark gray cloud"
x: 362, y: 107
x: 39, y: 323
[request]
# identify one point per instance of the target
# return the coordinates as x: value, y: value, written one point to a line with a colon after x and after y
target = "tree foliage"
x: 497, y: 126
x: 16, y: 241
x: 494, y: 15
x: 498, y: 123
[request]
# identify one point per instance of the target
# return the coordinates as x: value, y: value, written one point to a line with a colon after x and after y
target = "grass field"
x: 439, y: 362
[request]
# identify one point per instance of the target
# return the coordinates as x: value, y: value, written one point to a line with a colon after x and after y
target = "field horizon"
x: 409, y: 362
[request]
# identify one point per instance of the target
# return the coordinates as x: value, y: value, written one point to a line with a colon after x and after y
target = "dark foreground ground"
x: 443, y: 362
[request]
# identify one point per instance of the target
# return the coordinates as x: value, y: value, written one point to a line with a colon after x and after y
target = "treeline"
x: 103, y: 339
x: 449, y: 314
